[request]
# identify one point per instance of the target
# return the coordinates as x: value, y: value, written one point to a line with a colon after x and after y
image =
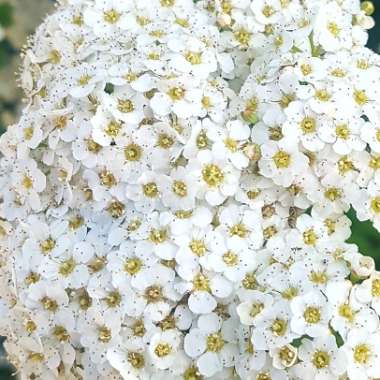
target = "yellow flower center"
x: 163, y: 349
x: 104, y: 334
x: 198, y: 247
x: 278, y: 327
x: 281, y: 159
x: 153, y: 294
x: 321, y: 359
x: 193, y: 57
x: 150, y: 190
x: 136, y: 360
x: 238, y: 229
x: 132, y: 152
x: 67, y: 267
x: 214, y: 342
x: 307, y: 125
x: 132, y: 266
x: 125, y: 106
x: 375, y: 290
x: 112, y: 129
x: 360, y: 97
x: 157, y: 236
x: 212, y: 175
x: 230, y: 258
x: 312, y: 315
x: 201, y: 283
x: 361, y: 353
x: 375, y: 205
x: 256, y: 308
x: 309, y: 237
x: 333, y: 28
x: 176, y: 93
x: 111, y: 16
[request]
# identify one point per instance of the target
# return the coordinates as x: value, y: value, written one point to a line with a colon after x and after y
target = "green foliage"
x: 6, y: 15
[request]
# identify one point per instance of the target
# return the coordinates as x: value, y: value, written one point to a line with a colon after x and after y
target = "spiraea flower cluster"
x: 174, y: 194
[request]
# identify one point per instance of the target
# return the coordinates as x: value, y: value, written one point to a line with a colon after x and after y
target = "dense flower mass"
x: 174, y: 194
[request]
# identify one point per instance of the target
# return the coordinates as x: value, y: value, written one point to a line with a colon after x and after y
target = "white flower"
x: 321, y: 359
x: 163, y: 348
x: 210, y: 345
x: 362, y: 350
x: 311, y: 314
x: 281, y: 161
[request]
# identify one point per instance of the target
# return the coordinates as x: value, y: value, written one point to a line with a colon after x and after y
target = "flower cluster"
x: 174, y: 194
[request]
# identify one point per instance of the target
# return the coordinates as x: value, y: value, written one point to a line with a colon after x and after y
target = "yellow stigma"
x: 201, y: 283
x: 333, y: 28
x: 193, y: 57
x: 54, y: 57
x: 279, y: 327
x: 202, y: 141
x: 112, y: 129
x: 256, y: 309
x: 179, y: 188
x: 320, y: 359
x: 345, y: 311
x: 333, y: 194
x: 312, y: 315
x: 214, y: 342
x: 163, y: 349
x: 132, y: 266
x: 132, y: 152
x: 212, y: 175
x: 318, y: 277
x: 289, y: 293
x: 84, y: 80
x: 375, y: 290
x: 153, y: 293
x: 249, y: 281
x: 61, y: 333
x: 322, y: 95
x: 308, y: 125
x: 136, y: 360
x: 165, y: 141
x: 176, y: 93
x: 113, y: 299
x: 111, y: 16
x: 47, y: 245
x: 281, y: 159
x: 107, y: 179
x: 116, y: 209
x: 67, y: 267
x: 267, y: 10
x: 125, y: 106
x: 375, y: 205
x: 367, y: 7
x: 361, y: 353
x: 360, y: 97
x: 309, y: 237
x: 27, y: 182
x: 287, y: 356
x: 192, y: 374
x: 49, y: 304
x: 93, y: 146
x: 167, y: 3
x: 238, y: 229
x: 198, y: 247
x: 104, y: 334
x: 242, y: 36
x: 150, y: 190
x: 157, y: 236
x: 230, y: 258
x: 305, y: 69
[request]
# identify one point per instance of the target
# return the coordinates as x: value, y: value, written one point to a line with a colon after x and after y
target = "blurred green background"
x: 18, y: 19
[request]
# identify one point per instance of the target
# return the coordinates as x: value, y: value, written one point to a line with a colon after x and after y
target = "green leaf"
x: 366, y: 237
x: 6, y: 15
